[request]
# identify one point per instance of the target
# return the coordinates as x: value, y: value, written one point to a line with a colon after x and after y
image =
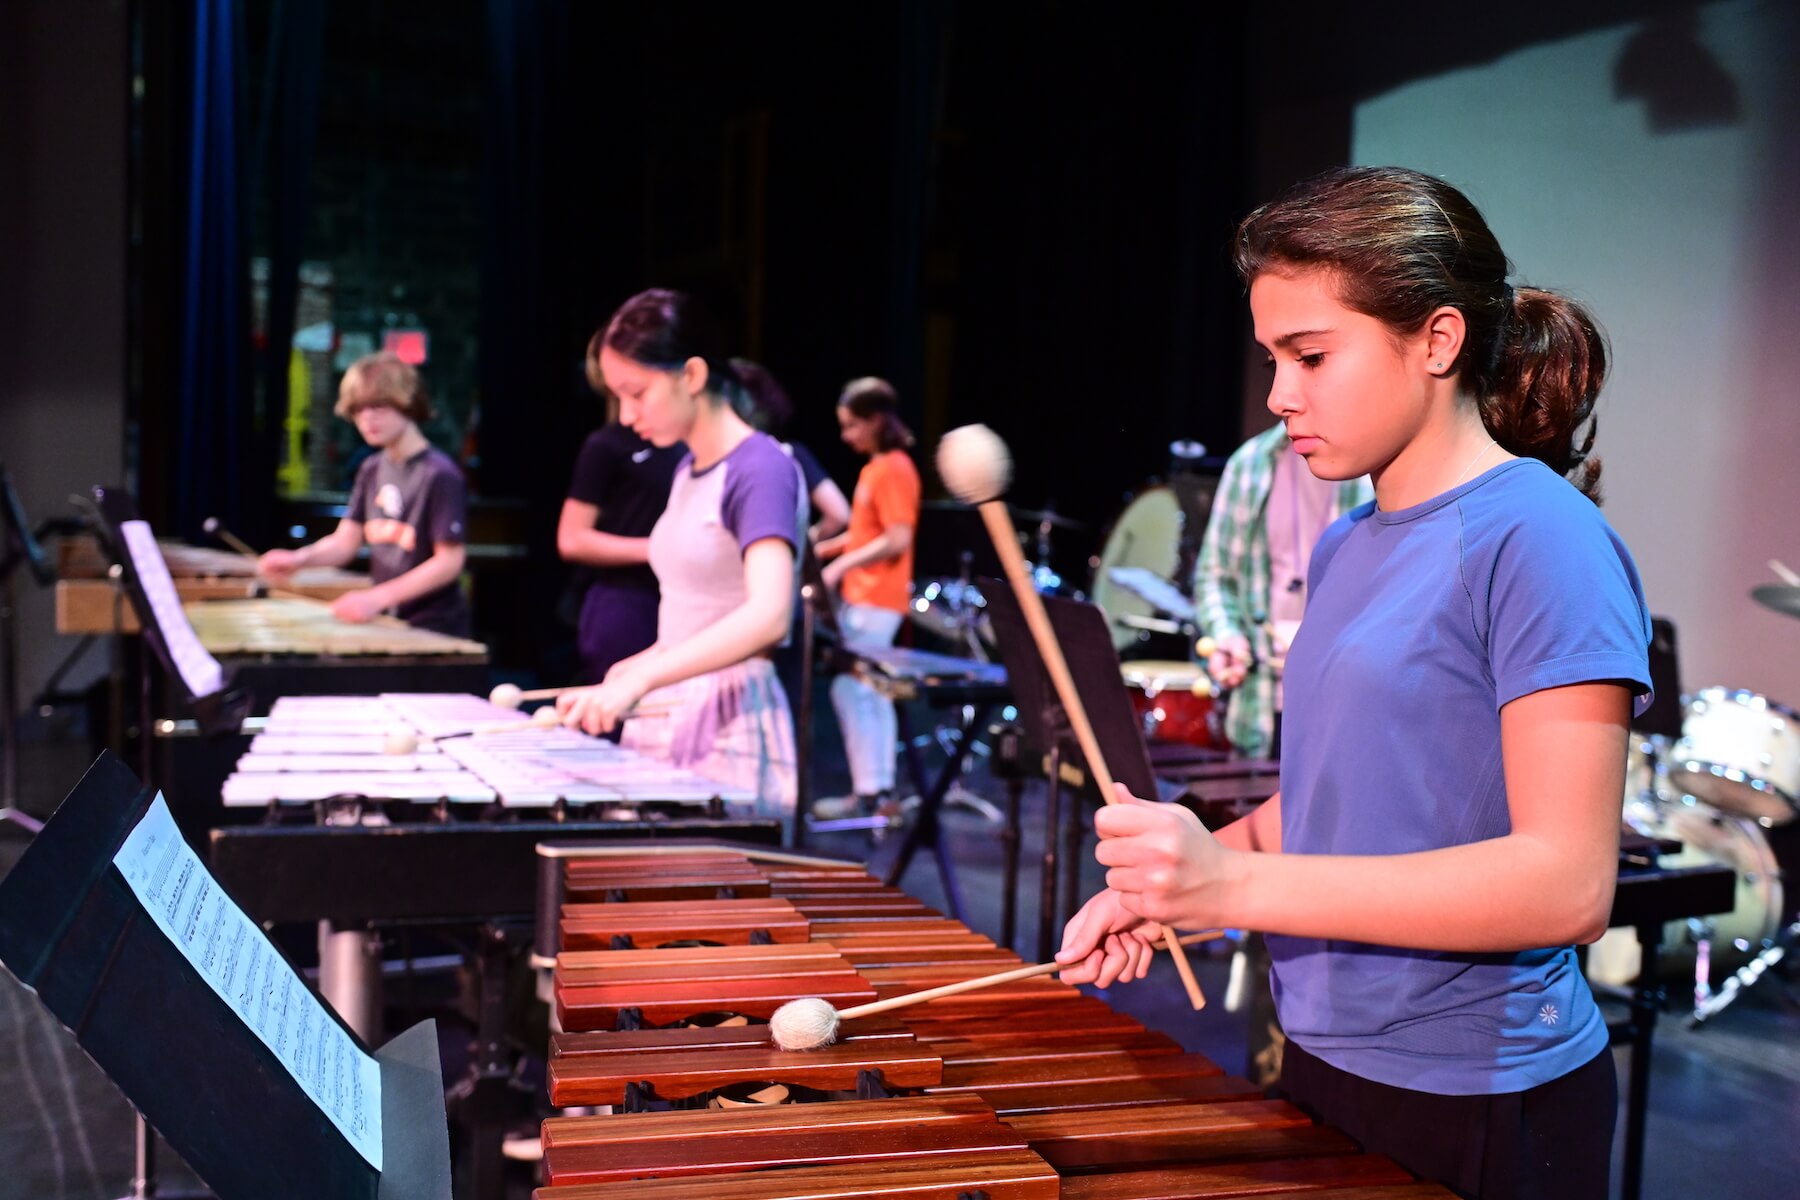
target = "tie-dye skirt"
x: 733, y: 726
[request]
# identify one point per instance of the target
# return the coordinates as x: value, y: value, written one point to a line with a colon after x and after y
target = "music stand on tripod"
x: 18, y: 545
x: 1087, y: 645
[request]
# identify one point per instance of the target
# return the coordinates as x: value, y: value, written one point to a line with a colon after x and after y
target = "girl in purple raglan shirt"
x: 724, y: 554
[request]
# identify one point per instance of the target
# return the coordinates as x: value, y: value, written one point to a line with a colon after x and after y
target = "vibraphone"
x: 325, y: 754
x: 1033, y: 1089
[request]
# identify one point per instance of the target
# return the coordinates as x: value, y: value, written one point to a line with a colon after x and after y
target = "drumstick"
x: 1788, y: 576
x: 976, y: 466
x: 811, y: 1023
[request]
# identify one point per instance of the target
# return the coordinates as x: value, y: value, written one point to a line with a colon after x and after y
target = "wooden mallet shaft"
x: 1006, y: 543
x: 217, y: 528
x: 1012, y: 976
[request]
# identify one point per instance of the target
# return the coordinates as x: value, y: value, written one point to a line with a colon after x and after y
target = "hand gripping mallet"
x: 976, y: 466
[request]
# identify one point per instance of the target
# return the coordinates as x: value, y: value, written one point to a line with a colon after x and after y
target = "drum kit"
x: 1139, y: 580
x: 1726, y: 788
x: 952, y: 607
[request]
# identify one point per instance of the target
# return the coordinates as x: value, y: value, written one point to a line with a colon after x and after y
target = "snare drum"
x: 1173, y: 702
x: 1740, y: 753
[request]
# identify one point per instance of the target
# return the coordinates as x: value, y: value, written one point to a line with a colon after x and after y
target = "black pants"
x: 1551, y: 1142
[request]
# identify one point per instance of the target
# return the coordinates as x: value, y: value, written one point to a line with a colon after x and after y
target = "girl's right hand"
x: 1105, y: 943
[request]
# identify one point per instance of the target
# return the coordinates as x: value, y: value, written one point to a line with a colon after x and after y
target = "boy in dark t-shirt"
x: 408, y: 503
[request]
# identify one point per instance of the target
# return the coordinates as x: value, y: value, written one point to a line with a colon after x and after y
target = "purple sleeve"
x: 594, y: 469
x: 358, y: 508
x: 447, y: 509
x: 762, y: 496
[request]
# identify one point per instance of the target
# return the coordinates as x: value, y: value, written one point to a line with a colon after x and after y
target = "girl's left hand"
x: 1162, y: 862
x: 833, y: 572
x: 598, y: 709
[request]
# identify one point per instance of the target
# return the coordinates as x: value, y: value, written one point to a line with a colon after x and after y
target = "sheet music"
x: 232, y: 954
x: 200, y: 672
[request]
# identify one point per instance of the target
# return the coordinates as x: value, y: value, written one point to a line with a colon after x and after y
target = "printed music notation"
x: 200, y: 671
x: 242, y: 966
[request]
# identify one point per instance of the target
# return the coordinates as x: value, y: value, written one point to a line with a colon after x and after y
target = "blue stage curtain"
x: 215, y: 414
x: 287, y: 131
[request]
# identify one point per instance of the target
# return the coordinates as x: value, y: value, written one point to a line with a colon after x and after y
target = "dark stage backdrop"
x: 1022, y: 222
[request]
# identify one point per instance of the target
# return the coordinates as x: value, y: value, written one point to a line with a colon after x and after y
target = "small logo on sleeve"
x: 1548, y: 1014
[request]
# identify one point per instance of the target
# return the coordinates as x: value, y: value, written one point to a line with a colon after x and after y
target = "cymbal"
x: 1782, y: 597
x: 1043, y: 516
x: 1030, y: 516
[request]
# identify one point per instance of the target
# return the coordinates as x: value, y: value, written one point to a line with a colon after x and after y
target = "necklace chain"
x: 1478, y: 457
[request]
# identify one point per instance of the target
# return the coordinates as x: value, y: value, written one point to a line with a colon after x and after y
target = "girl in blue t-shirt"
x: 1458, y: 698
x: 723, y: 551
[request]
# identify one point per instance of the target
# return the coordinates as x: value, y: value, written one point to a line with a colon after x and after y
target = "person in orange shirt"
x: 870, y: 565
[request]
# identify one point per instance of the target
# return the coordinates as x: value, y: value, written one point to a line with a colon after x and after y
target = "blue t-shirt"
x: 1420, y: 625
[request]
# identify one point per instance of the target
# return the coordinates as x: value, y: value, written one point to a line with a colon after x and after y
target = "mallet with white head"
x: 976, y: 466
x: 811, y: 1023
x: 405, y: 741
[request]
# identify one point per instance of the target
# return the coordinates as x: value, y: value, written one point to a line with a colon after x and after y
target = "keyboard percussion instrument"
x: 672, y: 961
x: 467, y: 757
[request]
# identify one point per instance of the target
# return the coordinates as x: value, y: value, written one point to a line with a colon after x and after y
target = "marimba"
x: 86, y: 602
x: 1028, y: 1090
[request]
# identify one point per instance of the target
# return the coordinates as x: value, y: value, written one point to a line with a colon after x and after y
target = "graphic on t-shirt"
x: 388, y: 529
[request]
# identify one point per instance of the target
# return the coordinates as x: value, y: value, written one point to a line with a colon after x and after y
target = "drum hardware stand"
x: 1708, y: 1003
x: 1009, y: 765
x: 927, y: 828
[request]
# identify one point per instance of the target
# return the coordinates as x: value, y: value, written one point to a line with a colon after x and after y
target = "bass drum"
x: 1147, y: 535
x: 1707, y: 836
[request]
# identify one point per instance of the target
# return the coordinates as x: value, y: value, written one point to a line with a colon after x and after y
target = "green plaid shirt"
x: 1231, y: 578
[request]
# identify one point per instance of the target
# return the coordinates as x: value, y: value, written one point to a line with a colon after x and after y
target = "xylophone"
x: 327, y: 754
x: 669, y: 964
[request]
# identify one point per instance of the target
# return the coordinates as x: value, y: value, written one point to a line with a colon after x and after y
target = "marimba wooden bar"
x: 1026, y: 1090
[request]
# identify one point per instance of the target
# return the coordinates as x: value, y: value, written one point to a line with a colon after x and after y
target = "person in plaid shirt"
x: 1250, y: 578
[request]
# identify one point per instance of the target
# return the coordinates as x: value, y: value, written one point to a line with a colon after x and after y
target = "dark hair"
x: 758, y: 398
x: 1399, y: 245
x: 871, y: 397
x: 384, y: 378
x: 662, y: 328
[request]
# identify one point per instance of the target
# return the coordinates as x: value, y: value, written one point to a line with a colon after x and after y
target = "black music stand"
x: 18, y: 544
x: 1086, y: 640
x: 219, y: 709
x: 74, y: 931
